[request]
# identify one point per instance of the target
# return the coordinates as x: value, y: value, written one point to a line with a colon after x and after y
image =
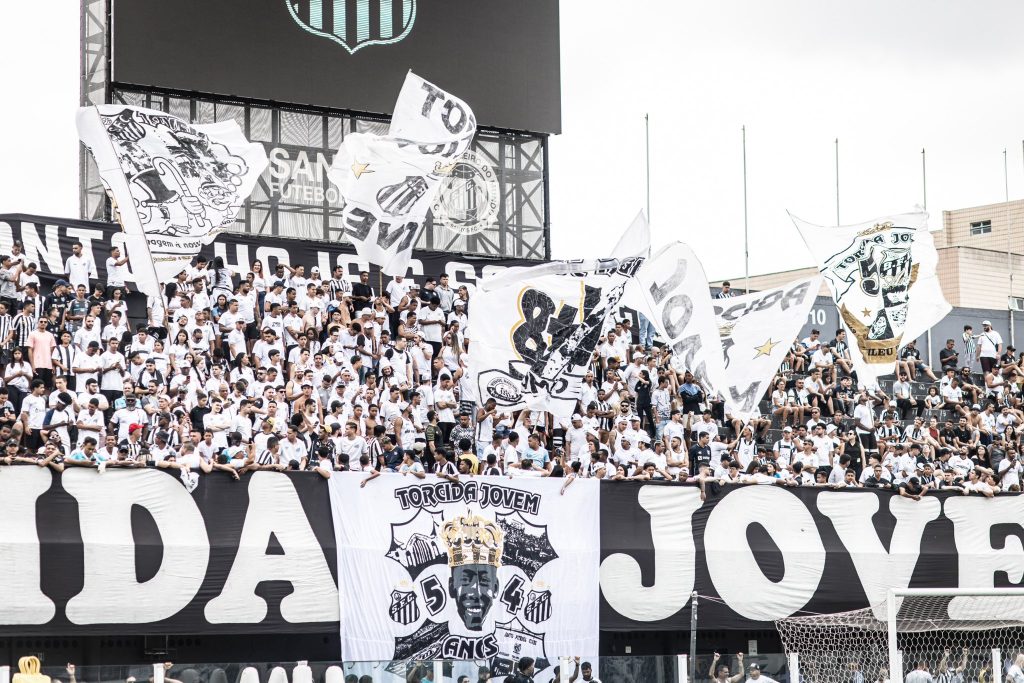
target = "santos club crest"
x: 467, y: 569
x: 354, y: 24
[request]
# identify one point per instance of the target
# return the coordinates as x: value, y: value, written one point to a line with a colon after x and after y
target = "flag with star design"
x: 756, y: 331
x: 882, y: 277
x: 388, y: 182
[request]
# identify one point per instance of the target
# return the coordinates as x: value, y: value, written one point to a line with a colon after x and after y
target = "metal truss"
x: 303, y: 204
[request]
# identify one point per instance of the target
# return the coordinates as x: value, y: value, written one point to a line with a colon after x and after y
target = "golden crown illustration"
x: 472, y: 539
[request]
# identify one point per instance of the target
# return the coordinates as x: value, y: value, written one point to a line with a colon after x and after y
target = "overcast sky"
x: 886, y: 78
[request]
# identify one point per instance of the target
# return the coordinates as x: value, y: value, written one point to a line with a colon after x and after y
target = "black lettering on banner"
x: 458, y: 125
x: 512, y: 597
x: 386, y: 235
x: 528, y: 337
x: 433, y: 94
x: 675, y: 324
x: 659, y: 292
x: 869, y: 274
x: 794, y: 296
x: 358, y: 223
x: 433, y: 594
x: 748, y: 398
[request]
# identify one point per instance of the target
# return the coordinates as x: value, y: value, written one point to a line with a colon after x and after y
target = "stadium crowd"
x: 290, y: 370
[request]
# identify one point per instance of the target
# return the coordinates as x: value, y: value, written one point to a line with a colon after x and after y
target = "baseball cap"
x: 787, y: 429
x: 975, y: 407
x: 987, y: 322
x: 134, y: 428
x: 576, y: 416
x: 315, y: 269
x: 366, y: 311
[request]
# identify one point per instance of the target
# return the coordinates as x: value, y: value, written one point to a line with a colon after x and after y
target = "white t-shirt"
x: 35, y: 406
x: 432, y: 333
x: 862, y: 414
x: 79, y: 269
x: 116, y: 274
x: 987, y: 343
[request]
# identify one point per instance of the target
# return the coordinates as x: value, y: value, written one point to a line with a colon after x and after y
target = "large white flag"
x: 389, y: 181
x: 757, y: 331
x: 672, y: 291
x: 174, y: 185
x: 486, y: 568
x: 882, y: 276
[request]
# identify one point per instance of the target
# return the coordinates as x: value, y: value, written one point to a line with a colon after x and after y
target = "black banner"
x: 149, y: 551
x: 133, y: 551
x: 760, y: 553
x: 48, y: 241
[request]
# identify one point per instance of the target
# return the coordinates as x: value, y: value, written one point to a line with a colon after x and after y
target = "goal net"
x: 954, y: 636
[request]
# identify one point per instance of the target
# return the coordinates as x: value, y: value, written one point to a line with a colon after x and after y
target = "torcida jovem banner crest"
x: 882, y: 274
x: 485, y: 568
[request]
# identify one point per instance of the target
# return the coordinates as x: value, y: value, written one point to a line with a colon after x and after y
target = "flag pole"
x: 1009, y: 239
x: 647, y: 147
x: 924, y: 200
x: 837, y: 182
x: 746, y: 241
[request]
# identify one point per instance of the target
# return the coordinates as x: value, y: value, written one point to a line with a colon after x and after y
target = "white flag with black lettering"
x: 534, y: 335
x: 882, y: 277
x: 173, y: 185
x: 672, y: 291
x: 389, y: 181
x: 486, y: 568
x: 757, y: 331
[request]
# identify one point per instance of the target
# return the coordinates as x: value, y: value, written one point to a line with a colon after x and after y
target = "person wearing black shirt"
x: 362, y: 293
x: 911, y: 488
x: 700, y: 452
x: 59, y: 300
x: 949, y: 357
x: 877, y: 480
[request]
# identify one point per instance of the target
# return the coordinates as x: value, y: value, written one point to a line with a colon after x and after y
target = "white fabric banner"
x: 173, y: 185
x: 882, y: 277
x: 672, y: 291
x: 757, y: 331
x: 533, y: 338
x: 486, y: 568
x: 389, y: 181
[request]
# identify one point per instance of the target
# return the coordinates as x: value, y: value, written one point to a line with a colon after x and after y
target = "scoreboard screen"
x: 500, y: 56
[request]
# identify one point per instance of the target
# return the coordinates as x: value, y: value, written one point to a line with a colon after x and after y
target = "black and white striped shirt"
x: 23, y: 325
x: 265, y: 457
x: 5, y: 325
x: 65, y: 355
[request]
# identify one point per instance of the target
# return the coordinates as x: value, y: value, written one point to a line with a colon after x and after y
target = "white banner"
x: 672, y: 291
x: 533, y: 338
x: 882, y: 277
x: 389, y: 181
x: 173, y: 185
x: 757, y: 331
x: 486, y: 568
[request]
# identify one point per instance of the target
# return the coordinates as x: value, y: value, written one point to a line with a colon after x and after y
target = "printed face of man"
x: 473, y: 587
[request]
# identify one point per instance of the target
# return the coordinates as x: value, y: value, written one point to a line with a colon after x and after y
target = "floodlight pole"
x: 693, y: 636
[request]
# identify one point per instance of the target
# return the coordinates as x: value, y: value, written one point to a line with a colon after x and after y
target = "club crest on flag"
x: 404, y: 609
x: 467, y: 202
x: 872, y: 279
x: 354, y: 24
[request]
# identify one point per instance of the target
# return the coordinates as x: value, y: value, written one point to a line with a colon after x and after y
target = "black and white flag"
x: 173, y: 185
x: 757, y: 331
x: 535, y: 329
x: 389, y: 181
x: 882, y: 274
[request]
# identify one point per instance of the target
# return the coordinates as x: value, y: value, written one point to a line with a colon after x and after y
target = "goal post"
x: 958, y: 635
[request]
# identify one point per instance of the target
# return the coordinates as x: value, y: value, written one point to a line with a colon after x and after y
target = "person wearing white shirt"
x: 79, y: 267
x: 1009, y: 471
x: 117, y: 270
x: 990, y: 346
